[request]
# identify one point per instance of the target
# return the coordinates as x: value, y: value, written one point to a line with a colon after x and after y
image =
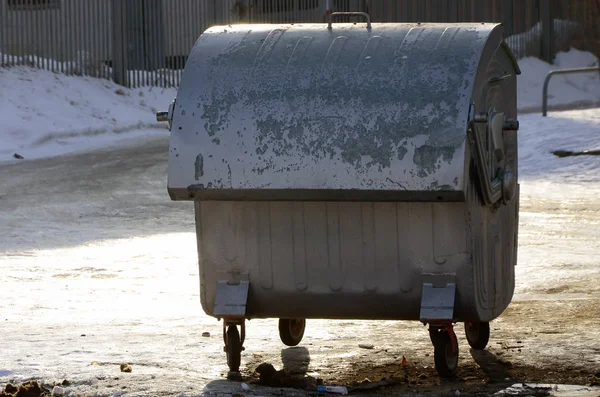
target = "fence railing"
x: 554, y: 73
x: 146, y: 42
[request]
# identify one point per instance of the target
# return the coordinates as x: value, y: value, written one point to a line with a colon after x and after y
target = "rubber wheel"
x: 445, y: 353
x: 478, y: 334
x: 234, y: 348
x: 291, y: 330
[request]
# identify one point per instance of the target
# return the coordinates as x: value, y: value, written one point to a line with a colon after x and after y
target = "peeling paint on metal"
x: 303, y: 107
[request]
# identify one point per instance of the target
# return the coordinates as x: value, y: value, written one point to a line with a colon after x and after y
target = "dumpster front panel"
x: 493, y: 231
x: 269, y: 112
x: 332, y: 259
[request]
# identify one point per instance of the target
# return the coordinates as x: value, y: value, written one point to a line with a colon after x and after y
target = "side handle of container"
x: 162, y: 116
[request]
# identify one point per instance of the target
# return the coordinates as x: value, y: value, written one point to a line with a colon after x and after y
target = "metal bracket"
x: 437, y: 303
x: 231, y: 299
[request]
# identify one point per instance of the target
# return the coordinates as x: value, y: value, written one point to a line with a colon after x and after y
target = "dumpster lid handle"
x: 364, y: 14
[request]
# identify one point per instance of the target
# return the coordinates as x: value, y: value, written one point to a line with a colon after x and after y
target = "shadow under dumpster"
x: 494, y: 369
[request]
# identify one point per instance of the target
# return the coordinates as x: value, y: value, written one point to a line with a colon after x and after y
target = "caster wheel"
x: 478, y: 334
x: 445, y: 353
x: 291, y: 330
x: 234, y: 348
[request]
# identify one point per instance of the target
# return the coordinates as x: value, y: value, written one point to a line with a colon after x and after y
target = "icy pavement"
x: 98, y: 267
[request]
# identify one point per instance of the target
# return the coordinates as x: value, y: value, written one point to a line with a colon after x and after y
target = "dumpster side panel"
x: 305, y: 113
x: 331, y: 259
x: 493, y: 232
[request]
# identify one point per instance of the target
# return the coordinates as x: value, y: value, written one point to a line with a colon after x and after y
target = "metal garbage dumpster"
x: 350, y: 171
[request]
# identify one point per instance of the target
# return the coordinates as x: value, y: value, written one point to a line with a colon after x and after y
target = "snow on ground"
x: 575, y: 130
x: 45, y: 114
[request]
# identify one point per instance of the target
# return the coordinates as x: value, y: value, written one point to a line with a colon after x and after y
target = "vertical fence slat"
x: 22, y: 34
x: 50, y: 39
x: 50, y: 51
x: 163, y: 43
x: 183, y: 41
x: 172, y: 48
x: 187, y: 34
x: 82, y: 55
x: 16, y: 36
x: 165, y: 16
x: 97, y: 34
x: 26, y: 41
x: 88, y: 30
x: 71, y: 49
x: 7, y: 49
x: 157, y: 46
x: 77, y: 30
x: 28, y: 16
x: 138, y: 10
x: 47, y: 41
x: 101, y: 21
x: 107, y: 38
x: 151, y: 49
x: 35, y: 43
x: 140, y: 39
x: 159, y: 50
x: 60, y: 37
x: 5, y: 32
x: 92, y: 32
x: 65, y: 33
x: 4, y: 29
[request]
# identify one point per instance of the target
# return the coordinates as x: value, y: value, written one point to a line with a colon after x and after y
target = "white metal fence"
x: 146, y: 42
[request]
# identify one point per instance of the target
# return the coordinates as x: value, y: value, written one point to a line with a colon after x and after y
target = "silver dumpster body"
x: 351, y: 172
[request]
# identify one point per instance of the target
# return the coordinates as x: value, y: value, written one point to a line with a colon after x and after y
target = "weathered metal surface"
x: 333, y: 259
x: 230, y: 300
x: 269, y: 109
x: 437, y: 303
x: 350, y: 127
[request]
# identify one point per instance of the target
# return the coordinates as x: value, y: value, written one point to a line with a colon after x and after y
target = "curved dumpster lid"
x: 304, y: 112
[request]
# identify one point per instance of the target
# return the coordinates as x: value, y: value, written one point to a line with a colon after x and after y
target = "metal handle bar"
x: 560, y: 71
x: 354, y: 14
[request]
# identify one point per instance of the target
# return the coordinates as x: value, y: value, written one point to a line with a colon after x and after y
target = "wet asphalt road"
x: 98, y: 267
x: 108, y: 194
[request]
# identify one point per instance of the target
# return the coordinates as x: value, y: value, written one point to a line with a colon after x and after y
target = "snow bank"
x: 572, y: 90
x: 84, y: 64
x: 48, y: 114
